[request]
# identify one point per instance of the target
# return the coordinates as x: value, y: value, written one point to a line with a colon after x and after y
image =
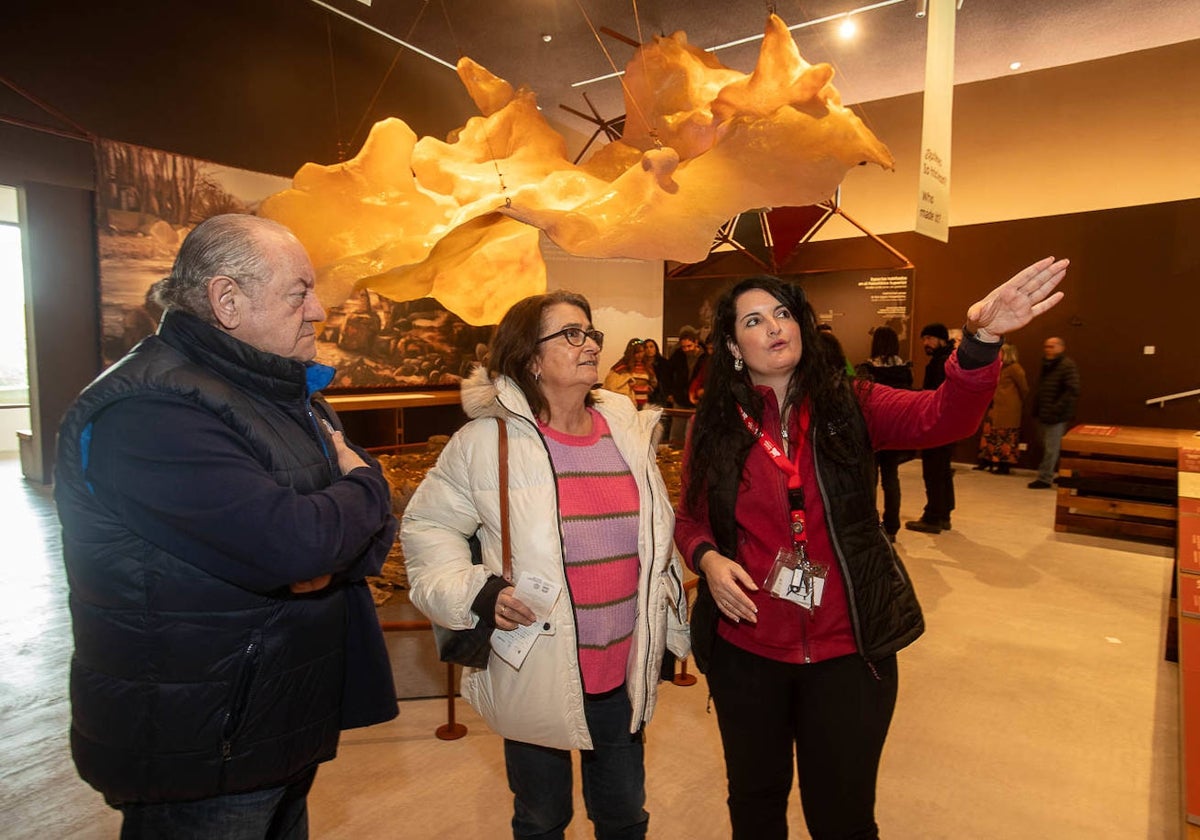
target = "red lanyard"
x: 788, y: 468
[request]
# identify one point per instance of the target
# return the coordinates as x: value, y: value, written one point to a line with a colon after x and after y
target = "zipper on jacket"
x: 804, y: 619
x: 851, y: 601
x: 330, y: 461
x: 239, y: 699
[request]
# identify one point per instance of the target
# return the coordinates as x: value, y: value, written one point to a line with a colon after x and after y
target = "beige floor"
x: 1037, y: 705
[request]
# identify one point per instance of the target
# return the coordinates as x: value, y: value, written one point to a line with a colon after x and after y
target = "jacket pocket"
x: 239, y: 695
x: 678, y: 634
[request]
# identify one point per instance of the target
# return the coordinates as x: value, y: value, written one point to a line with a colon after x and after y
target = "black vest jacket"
x: 184, y: 686
x: 884, y: 612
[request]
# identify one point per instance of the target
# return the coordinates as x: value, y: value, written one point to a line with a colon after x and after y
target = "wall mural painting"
x: 147, y: 202
x: 853, y: 302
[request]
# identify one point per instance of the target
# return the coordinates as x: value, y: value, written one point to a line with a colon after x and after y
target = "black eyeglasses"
x: 576, y: 336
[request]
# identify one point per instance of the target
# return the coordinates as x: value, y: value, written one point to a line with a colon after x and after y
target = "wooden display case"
x: 1120, y: 481
x: 1187, y: 559
x: 391, y: 419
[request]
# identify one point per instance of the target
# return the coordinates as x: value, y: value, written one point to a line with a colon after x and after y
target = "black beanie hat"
x: 936, y: 330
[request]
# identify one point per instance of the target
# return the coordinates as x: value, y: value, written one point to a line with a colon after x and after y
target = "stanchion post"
x: 683, y: 677
x: 451, y: 730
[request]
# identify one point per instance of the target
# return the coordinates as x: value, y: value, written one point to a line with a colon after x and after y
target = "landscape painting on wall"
x: 147, y: 202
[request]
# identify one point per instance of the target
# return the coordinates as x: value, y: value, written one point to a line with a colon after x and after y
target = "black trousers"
x: 939, y: 483
x: 888, y: 462
x: 830, y: 717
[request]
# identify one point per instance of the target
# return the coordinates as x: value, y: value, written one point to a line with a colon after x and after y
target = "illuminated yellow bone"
x: 702, y: 143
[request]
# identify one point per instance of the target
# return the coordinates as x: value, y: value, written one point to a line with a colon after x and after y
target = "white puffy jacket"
x: 542, y: 703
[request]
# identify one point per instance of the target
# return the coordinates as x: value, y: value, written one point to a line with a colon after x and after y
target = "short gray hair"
x: 228, y: 245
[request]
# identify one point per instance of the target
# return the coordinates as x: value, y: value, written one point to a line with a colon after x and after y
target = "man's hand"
x: 1015, y: 303
x: 303, y: 587
x: 347, y: 458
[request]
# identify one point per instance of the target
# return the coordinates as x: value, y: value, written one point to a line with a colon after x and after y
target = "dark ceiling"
x: 885, y: 59
x: 271, y: 84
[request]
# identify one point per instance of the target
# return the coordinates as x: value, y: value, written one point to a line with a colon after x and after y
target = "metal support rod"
x: 452, y: 730
x: 1181, y: 395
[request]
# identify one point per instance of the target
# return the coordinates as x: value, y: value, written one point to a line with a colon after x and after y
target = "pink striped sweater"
x: 598, y: 508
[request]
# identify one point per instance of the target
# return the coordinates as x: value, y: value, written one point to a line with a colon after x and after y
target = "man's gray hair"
x: 227, y: 245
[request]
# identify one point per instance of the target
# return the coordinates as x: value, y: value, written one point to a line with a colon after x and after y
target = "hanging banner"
x: 933, y: 185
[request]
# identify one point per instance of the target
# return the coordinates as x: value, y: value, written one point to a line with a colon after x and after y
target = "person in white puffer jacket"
x: 589, y: 512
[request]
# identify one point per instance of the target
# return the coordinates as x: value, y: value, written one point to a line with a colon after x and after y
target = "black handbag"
x: 473, y: 647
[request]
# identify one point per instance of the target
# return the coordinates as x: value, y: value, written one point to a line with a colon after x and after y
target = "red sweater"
x: 896, y: 419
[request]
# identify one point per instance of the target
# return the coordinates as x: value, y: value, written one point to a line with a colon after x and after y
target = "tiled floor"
x: 1037, y: 705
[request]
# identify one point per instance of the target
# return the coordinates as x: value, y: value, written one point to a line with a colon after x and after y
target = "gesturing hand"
x: 1018, y: 301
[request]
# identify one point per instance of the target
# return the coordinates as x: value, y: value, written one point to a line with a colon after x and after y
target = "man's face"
x: 279, y: 315
x: 1052, y: 349
x: 931, y: 343
x: 689, y: 346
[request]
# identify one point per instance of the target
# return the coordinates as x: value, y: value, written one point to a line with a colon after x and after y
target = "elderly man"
x: 1054, y: 405
x: 216, y: 530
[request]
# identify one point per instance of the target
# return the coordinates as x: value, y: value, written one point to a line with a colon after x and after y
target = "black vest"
x: 884, y: 612
x: 184, y: 686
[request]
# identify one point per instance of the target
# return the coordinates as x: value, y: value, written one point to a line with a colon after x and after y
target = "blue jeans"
x: 614, y: 778
x: 1052, y: 435
x: 279, y: 813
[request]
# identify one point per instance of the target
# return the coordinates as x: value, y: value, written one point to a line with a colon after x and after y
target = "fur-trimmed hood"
x: 484, y: 396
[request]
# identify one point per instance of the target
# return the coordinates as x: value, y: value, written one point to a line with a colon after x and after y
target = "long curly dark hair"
x: 720, y: 440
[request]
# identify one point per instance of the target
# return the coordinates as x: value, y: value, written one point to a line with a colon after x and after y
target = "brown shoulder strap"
x: 505, y: 536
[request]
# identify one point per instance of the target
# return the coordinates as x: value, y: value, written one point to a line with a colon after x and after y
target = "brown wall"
x: 1134, y: 281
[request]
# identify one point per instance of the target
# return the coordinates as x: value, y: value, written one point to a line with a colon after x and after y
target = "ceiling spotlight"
x: 547, y: 38
x: 1016, y: 65
x: 922, y: 7
x: 848, y: 28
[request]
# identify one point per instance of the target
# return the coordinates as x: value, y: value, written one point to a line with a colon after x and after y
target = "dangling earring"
x: 738, y: 364
x: 537, y: 376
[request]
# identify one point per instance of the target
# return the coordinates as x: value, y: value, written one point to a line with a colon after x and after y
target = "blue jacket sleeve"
x: 180, y: 478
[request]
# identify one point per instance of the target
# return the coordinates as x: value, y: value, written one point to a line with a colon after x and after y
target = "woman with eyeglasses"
x: 591, y: 530
x: 802, y: 602
x: 631, y: 375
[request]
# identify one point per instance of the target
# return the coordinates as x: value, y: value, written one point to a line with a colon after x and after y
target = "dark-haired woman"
x: 656, y: 362
x: 631, y: 376
x: 887, y: 368
x: 803, y: 604
x: 589, y: 517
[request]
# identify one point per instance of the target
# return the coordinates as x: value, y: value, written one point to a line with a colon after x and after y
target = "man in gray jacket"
x: 1054, y: 405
